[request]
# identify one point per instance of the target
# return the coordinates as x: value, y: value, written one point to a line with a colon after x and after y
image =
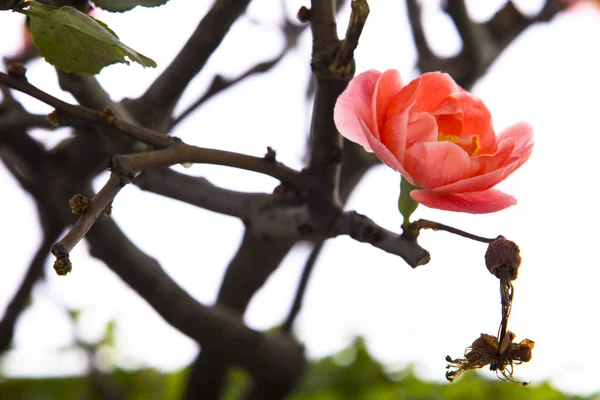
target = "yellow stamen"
x: 471, y: 146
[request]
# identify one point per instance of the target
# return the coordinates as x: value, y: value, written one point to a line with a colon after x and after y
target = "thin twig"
x: 220, y: 84
x: 19, y: 301
x: 66, y: 110
x: 182, y: 153
x: 179, y: 152
x: 98, y: 205
x: 358, y: 18
x: 163, y: 94
x: 416, y: 226
x: 299, y: 298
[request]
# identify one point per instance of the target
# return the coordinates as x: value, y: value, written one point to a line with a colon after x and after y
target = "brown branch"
x: 291, y: 33
x: 363, y: 229
x: 416, y: 226
x: 299, y: 297
x: 163, y: 94
x: 482, y: 43
x: 256, y: 259
x: 200, y: 192
x: 99, y: 204
x: 66, y: 110
x: 220, y: 84
x: 217, y: 329
x: 182, y: 153
x: 358, y: 18
x: 21, y: 297
x: 178, y: 152
x: 333, y: 67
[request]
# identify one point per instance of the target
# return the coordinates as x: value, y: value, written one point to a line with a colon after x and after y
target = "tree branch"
x: 482, y: 43
x: 21, y: 297
x: 272, y: 359
x: 299, y: 297
x: 363, y: 229
x: 178, y: 151
x: 200, y: 192
x: 183, y: 153
x: 101, y: 203
x: 163, y: 94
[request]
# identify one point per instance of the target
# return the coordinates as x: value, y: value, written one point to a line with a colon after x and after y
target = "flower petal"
x: 426, y: 91
x: 522, y: 135
x: 359, y: 92
x: 388, y: 85
x: 434, y: 88
x: 422, y: 127
x: 465, y: 115
x: 484, y: 163
x: 434, y: 164
x: 383, y: 153
x: 483, y: 202
x: 394, y: 133
x: 399, y: 133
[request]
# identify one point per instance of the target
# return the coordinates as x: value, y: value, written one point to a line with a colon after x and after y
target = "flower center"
x: 470, y: 144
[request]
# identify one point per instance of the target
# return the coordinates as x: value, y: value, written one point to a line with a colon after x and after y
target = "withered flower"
x: 487, y: 350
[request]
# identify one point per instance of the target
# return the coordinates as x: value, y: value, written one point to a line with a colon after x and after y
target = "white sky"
x: 548, y: 77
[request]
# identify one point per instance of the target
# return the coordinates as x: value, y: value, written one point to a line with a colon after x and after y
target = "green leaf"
x: 76, y: 42
x: 406, y: 205
x: 126, y: 5
x: 108, y: 339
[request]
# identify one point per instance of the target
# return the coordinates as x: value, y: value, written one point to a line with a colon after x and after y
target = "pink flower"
x: 437, y: 135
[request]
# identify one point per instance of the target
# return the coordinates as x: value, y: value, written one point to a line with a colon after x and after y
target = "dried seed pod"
x: 502, y: 258
x: 485, y: 350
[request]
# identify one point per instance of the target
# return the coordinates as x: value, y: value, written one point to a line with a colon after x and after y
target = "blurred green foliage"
x: 350, y: 375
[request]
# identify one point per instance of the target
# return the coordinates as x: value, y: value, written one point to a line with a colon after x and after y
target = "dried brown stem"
x: 413, y: 230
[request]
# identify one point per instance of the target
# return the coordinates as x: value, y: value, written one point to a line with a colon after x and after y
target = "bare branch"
x: 163, y: 94
x: 21, y: 297
x: 182, y: 153
x: 482, y: 43
x: 200, y: 192
x: 363, y: 229
x: 298, y: 299
x: 220, y: 84
x: 99, y: 204
x: 177, y: 153
x: 217, y: 329
x: 66, y: 110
